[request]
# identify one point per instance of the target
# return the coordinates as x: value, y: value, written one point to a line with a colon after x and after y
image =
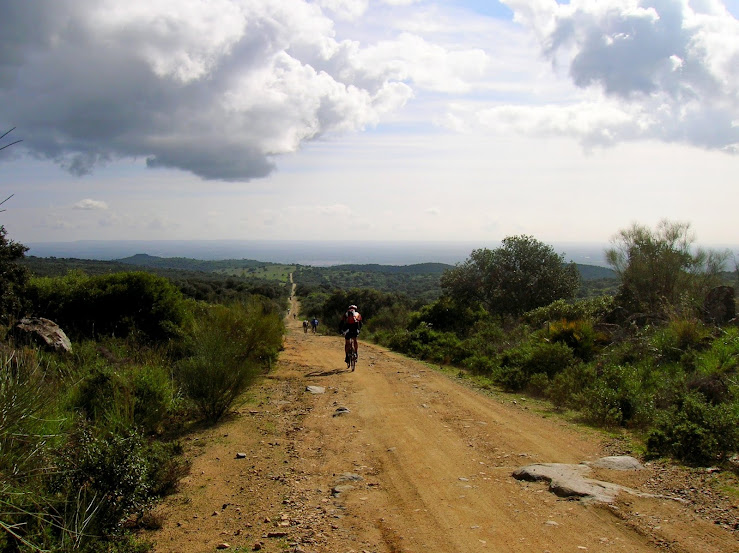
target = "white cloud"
x: 90, y: 204
x: 665, y: 70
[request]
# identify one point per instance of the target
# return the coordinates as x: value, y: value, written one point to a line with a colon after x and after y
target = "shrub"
x: 106, y: 476
x: 119, y: 304
x: 153, y: 396
x: 567, y: 388
x: 592, y: 309
x: 695, y: 431
x: 518, y: 364
x: 578, y: 335
x: 231, y: 346
x: 678, y: 338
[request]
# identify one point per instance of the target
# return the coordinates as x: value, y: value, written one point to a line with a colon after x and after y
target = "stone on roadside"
x: 241, y: 455
x: 618, y: 462
x: 315, y: 389
x: 223, y: 545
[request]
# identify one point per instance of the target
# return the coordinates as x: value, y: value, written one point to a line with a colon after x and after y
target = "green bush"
x: 106, y: 476
x: 578, y: 335
x: 153, y: 393
x: 119, y: 304
x: 231, y: 346
x: 615, y: 397
x: 519, y: 363
x: 695, y: 431
x: 592, y: 309
x: 678, y: 339
x: 568, y: 388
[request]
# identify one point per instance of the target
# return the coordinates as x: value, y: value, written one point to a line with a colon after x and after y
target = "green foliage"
x: 153, y: 393
x: 13, y: 277
x: 591, y: 309
x: 120, y: 304
x: 521, y: 275
x: 661, y: 271
x: 678, y: 339
x: 518, y: 364
x: 418, y: 282
x: 231, y: 346
x: 447, y: 315
x: 696, y: 431
x: 370, y: 303
x: 578, y: 335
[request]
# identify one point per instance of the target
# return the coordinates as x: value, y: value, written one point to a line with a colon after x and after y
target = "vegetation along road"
x: 398, y: 457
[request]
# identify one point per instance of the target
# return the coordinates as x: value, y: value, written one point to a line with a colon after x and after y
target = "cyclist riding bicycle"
x: 349, y: 326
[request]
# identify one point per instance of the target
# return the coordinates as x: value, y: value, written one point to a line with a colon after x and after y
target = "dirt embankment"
x: 397, y: 457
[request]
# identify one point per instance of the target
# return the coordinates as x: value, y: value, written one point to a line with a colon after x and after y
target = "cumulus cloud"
x: 91, y: 205
x: 667, y: 69
x: 215, y: 87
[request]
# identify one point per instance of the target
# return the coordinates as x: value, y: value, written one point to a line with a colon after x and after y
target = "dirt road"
x: 396, y: 457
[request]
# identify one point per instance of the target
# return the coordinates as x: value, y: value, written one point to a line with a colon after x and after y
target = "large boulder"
x: 719, y: 307
x: 42, y: 332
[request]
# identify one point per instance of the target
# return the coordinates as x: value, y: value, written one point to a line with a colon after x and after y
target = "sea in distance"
x: 314, y: 253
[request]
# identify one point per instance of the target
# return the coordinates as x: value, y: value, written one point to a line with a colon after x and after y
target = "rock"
x: 277, y: 534
x: 337, y: 490
x: 618, y: 462
x: 315, y: 389
x: 349, y: 477
x: 43, y: 332
x: 719, y: 306
x: 341, y: 411
x: 241, y: 455
x: 569, y: 481
x: 223, y: 545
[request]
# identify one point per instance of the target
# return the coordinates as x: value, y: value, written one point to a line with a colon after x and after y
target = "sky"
x: 460, y: 120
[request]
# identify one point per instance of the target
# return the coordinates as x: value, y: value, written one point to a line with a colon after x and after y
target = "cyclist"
x: 305, y: 326
x: 314, y: 324
x: 351, y: 323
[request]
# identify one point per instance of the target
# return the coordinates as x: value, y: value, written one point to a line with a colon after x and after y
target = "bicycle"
x: 352, y: 356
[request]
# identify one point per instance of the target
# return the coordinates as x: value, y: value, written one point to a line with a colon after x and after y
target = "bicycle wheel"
x: 353, y: 359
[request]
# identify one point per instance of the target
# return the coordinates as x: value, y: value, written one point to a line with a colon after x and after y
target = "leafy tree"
x: 521, y: 275
x: 660, y: 269
x: 13, y: 276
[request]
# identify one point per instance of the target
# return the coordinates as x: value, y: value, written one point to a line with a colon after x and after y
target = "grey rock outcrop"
x: 43, y: 332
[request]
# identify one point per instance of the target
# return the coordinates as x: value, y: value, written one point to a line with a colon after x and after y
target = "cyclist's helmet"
x: 352, y: 307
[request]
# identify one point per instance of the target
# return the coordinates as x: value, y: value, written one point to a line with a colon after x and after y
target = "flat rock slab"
x: 315, y: 389
x: 618, y: 462
x: 570, y: 481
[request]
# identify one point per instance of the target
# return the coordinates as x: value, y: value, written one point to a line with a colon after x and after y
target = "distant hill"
x: 188, y: 264
x: 419, y: 281
x: 594, y: 272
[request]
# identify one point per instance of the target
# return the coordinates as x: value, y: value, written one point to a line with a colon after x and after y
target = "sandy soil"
x: 397, y: 457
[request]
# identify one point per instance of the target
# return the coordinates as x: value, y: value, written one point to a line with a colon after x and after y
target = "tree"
x: 660, y: 269
x: 13, y: 277
x: 521, y: 275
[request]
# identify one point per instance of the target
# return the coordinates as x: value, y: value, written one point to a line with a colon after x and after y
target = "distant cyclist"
x: 314, y: 324
x: 305, y: 327
x: 351, y: 323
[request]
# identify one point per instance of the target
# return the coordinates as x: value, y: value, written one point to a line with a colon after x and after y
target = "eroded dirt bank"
x: 397, y: 457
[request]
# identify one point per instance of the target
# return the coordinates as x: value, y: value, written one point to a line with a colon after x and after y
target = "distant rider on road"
x: 349, y: 326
